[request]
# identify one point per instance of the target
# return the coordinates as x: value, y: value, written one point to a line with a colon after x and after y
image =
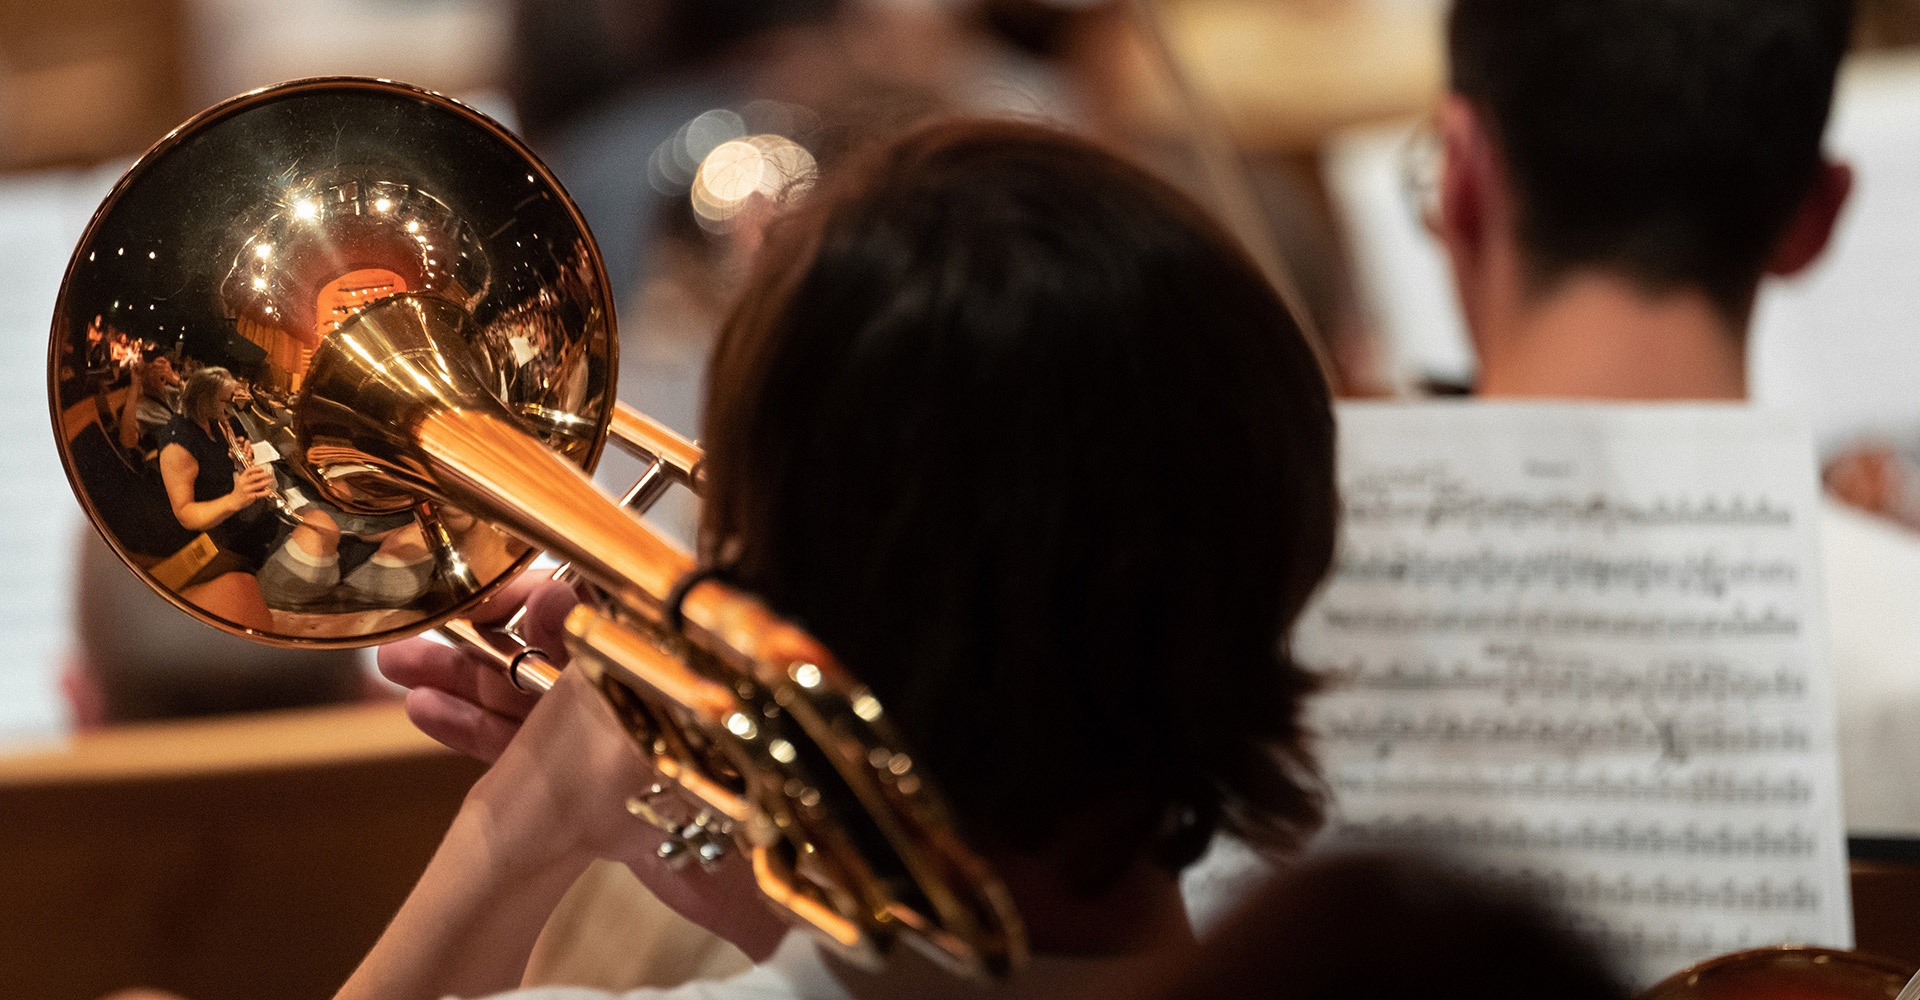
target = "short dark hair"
x: 1670, y: 141
x: 1017, y: 432
x: 1360, y: 927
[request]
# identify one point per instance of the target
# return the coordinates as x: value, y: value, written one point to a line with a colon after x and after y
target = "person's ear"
x: 86, y: 701
x: 1470, y: 182
x: 1812, y: 225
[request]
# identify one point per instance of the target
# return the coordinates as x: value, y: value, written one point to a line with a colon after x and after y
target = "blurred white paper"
x: 1841, y: 343
x: 1583, y: 647
x: 1399, y: 269
x: 41, y: 218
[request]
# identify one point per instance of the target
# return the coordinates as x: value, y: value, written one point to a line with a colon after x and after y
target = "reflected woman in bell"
x: 208, y: 495
x: 1021, y: 436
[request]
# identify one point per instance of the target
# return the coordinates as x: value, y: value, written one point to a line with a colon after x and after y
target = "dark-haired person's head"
x: 1363, y: 927
x: 1014, y: 429
x: 1673, y: 143
x: 139, y: 659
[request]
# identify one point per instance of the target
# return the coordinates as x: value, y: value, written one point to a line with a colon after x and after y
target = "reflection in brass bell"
x: 357, y: 256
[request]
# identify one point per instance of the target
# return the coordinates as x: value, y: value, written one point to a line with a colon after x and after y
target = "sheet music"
x: 1582, y: 647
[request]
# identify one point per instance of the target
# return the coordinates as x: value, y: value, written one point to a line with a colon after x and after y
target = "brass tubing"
x: 648, y: 489
x: 490, y: 468
x: 641, y: 435
x: 644, y: 663
x: 526, y: 667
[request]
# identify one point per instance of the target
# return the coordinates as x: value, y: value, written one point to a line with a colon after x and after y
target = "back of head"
x: 1668, y: 141
x: 147, y: 660
x: 1020, y: 435
x: 1363, y: 927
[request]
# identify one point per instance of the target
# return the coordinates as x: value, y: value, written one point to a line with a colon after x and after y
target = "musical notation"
x: 1651, y: 839
x: 1516, y: 671
x: 1670, y: 738
x: 1578, y: 648
x: 1563, y: 569
x: 1737, y: 623
x: 1707, y: 788
x: 1757, y: 895
x: 1456, y: 504
x: 1672, y: 946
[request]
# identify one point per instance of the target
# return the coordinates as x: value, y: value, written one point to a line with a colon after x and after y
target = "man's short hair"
x: 1670, y: 141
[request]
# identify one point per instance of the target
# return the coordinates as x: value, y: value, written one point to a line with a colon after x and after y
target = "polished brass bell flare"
x: 247, y: 239
x: 422, y: 326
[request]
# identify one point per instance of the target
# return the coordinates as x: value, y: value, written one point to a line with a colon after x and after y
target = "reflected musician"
x: 211, y: 491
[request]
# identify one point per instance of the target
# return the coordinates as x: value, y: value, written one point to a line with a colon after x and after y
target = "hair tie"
x: 676, y: 621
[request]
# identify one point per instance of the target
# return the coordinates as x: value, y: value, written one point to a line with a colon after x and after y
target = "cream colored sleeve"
x: 612, y: 934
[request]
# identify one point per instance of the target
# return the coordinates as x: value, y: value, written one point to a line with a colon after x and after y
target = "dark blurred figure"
x: 599, y: 86
x: 571, y: 56
x: 140, y: 658
x: 1362, y: 926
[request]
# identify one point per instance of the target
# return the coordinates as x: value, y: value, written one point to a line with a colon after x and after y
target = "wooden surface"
x: 88, y: 79
x: 1283, y: 74
x: 332, y: 734
x: 239, y: 858
x: 1886, y: 909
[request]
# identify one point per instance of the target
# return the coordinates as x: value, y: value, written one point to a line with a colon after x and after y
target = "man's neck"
x: 1596, y: 336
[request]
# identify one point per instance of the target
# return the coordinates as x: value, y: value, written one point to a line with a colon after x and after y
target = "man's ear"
x: 1812, y: 226
x: 1469, y: 181
x: 86, y: 700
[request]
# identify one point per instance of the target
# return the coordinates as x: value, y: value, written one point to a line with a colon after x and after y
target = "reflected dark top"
x: 249, y: 533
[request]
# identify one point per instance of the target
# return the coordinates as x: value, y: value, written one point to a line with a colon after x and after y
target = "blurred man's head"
x: 1364, y: 927
x: 140, y: 658
x: 1670, y: 144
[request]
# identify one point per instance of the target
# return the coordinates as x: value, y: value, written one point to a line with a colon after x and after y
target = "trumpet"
x: 421, y: 287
